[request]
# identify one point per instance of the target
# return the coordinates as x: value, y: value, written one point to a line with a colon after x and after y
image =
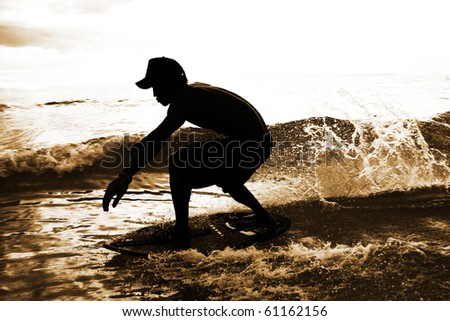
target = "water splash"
x: 305, y: 269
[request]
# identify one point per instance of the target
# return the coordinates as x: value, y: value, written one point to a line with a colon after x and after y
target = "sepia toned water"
x: 360, y: 166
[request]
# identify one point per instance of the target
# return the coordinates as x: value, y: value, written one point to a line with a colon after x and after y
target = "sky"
x: 45, y: 43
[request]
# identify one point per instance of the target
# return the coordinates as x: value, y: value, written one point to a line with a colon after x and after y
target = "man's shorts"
x: 223, y: 162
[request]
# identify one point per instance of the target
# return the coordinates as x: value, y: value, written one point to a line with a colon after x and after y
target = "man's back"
x: 220, y: 110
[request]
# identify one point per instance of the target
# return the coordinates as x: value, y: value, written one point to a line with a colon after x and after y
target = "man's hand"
x: 118, y: 188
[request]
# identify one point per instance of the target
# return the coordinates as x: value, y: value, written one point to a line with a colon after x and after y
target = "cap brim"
x: 144, y: 84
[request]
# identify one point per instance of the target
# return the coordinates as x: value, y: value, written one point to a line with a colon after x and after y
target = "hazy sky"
x: 108, y: 42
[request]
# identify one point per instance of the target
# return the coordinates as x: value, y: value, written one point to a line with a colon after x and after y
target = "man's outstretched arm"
x: 145, y: 151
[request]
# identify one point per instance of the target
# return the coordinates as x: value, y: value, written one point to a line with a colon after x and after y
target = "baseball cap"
x: 160, y: 69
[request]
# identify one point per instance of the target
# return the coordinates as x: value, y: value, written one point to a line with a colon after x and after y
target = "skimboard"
x: 208, y: 233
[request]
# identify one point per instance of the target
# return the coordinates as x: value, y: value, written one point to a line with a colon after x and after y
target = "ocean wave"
x: 66, y: 102
x: 333, y: 157
x: 60, y: 159
x: 3, y: 107
x: 437, y: 134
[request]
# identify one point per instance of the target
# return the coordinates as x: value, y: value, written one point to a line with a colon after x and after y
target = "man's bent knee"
x: 230, y: 188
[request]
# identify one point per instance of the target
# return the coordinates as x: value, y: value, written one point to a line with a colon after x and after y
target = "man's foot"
x: 181, y: 242
x: 266, y: 220
x: 181, y: 238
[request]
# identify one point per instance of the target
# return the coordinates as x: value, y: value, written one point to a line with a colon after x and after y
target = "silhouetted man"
x: 227, y: 163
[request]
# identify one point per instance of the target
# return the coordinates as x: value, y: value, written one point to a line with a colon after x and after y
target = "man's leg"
x: 186, y: 174
x: 242, y: 195
x: 181, y: 195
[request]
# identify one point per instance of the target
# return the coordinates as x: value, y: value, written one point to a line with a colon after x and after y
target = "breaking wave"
x: 324, y: 156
